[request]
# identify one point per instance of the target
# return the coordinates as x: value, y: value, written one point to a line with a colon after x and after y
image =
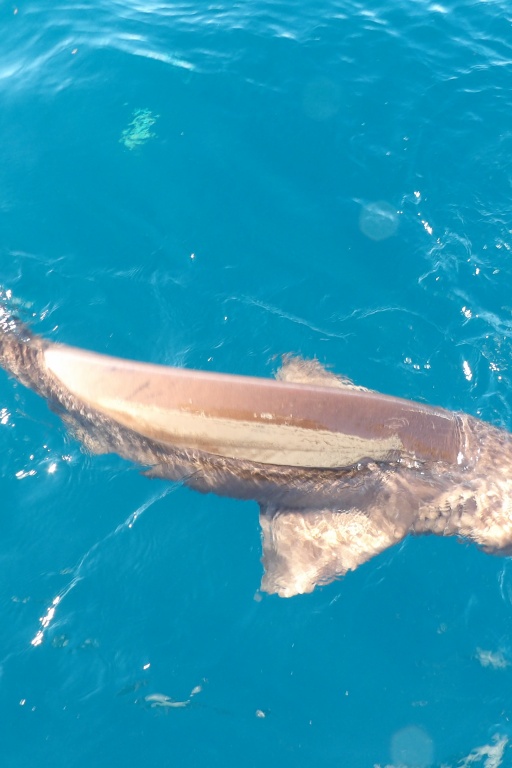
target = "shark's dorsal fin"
x: 298, y: 370
x: 304, y: 549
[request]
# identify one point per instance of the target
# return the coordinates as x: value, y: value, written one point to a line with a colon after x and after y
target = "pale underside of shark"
x: 340, y: 473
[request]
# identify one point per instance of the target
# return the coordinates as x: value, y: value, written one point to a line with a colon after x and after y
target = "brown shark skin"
x: 317, y: 523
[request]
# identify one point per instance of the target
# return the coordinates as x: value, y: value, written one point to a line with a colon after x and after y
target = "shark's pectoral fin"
x: 299, y: 370
x: 303, y: 549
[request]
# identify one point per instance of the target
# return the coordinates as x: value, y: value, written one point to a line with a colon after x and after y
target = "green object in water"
x: 139, y: 130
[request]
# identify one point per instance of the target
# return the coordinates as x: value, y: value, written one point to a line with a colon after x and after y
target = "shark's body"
x: 340, y: 473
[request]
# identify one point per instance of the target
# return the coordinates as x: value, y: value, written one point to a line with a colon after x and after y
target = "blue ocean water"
x: 214, y: 185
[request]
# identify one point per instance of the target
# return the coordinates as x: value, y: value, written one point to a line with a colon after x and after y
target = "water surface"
x: 214, y: 186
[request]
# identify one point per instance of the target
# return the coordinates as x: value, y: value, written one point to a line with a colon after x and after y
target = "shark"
x: 340, y: 472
